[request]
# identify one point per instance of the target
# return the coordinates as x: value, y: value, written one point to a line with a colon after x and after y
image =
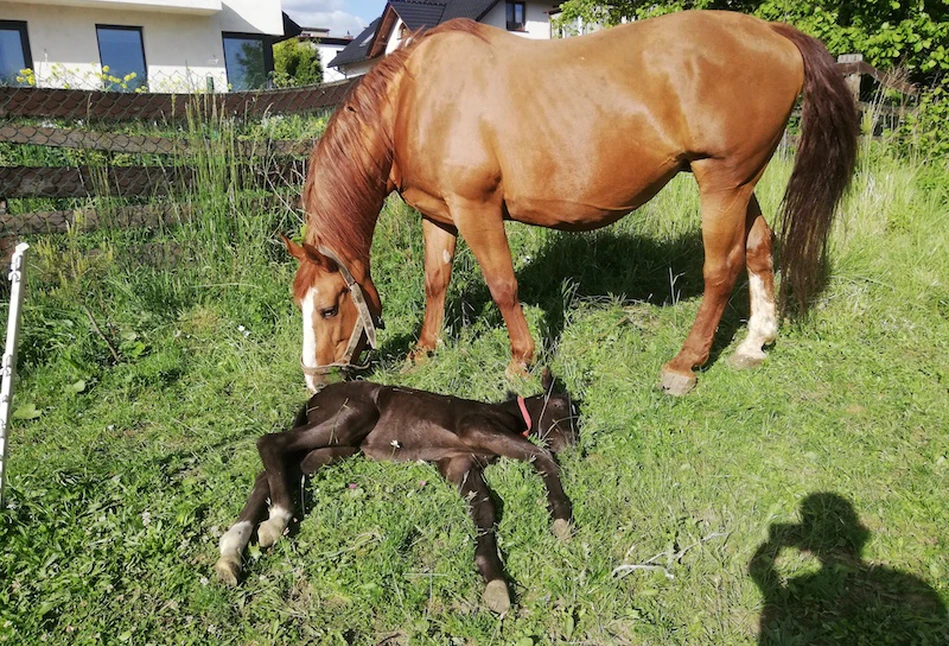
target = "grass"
x: 136, y: 462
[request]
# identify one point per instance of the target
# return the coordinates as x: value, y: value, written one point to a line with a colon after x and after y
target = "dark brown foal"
x: 400, y: 424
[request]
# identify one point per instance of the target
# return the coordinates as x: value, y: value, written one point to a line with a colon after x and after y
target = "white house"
x: 526, y: 18
x: 328, y: 47
x: 125, y: 45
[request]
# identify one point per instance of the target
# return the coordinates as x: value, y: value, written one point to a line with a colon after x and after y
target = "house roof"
x: 357, y: 49
x: 415, y: 14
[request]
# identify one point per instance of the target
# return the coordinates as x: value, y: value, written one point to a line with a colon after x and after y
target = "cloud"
x: 325, y: 13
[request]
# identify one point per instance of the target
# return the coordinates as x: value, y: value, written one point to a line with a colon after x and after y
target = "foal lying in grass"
x: 400, y: 424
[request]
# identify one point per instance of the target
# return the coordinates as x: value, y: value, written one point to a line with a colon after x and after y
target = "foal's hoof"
x: 676, y: 383
x: 269, y: 532
x: 562, y: 529
x: 496, y: 597
x: 227, y: 570
x: 742, y: 361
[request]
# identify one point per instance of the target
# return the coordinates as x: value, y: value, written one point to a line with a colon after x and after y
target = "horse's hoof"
x: 269, y: 532
x: 516, y: 370
x: 496, y: 597
x: 742, y: 361
x: 676, y: 383
x: 227, y: 570
x: 562, y: 529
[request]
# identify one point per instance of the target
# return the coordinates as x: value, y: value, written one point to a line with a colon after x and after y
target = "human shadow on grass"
x: 848, y: 601
x: 601, y: 264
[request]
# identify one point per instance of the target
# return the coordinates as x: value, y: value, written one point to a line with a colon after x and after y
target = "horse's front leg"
x: 346, y: 428
x: 464, y: 473
x: 440, y: 244
x: 482, y: 226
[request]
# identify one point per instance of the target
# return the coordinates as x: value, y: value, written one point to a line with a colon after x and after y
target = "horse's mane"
x: 355, y: 154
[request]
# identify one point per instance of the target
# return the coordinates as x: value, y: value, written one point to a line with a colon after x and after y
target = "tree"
x: 911, y: 34
x: 296, y: 63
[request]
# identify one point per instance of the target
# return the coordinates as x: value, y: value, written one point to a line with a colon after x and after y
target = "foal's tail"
x: 826, y: 156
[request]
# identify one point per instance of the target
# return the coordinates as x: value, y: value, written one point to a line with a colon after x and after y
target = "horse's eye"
x: 329, y: 312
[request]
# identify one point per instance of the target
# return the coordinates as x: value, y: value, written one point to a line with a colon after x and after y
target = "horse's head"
x: 340, y: 315
x: 557, y: 425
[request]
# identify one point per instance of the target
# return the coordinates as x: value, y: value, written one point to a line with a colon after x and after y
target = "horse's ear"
x: 295, y: 250
x: 314, y: 255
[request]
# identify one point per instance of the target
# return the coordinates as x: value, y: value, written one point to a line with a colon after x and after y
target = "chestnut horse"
x: 473, y: 126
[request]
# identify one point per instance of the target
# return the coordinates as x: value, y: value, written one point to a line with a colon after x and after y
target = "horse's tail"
x: 824, y: 164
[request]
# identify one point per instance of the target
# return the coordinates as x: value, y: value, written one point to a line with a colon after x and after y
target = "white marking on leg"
x: 446, y: 256
x: 236, y: 538
x: 272, y: 529
x: 763, y: 323
x: 308, y: 307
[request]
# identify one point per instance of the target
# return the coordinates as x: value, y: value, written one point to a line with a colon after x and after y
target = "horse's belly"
x: 589, y: 207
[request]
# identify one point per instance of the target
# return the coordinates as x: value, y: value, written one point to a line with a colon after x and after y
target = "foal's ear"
x: 295, y: 250
x: 547, y: 379
x: 313, y: 255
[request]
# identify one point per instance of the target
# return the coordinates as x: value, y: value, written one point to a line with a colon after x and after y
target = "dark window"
x: 515, y: 16
x: 249, y: 61
x: 122, y: 56
x: 14, y: 52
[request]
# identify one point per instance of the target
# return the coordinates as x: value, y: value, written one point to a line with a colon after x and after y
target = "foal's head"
x: 557, y: 425
x: 330, y: 313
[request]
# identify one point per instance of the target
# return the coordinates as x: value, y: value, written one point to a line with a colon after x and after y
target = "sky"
x: 339, y: 15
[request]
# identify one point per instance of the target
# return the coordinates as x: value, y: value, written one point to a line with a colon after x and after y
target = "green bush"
x: 296, y: 63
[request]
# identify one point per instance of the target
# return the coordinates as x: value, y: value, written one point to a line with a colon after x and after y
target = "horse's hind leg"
x: 763, y: 322
x: 467, y: 476
x: 439, y: 254
x: 344, y: 428
x: 236, y: 538
x: 724, y: 214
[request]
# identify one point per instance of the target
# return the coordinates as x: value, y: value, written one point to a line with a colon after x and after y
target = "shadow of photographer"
x: 848, y: 601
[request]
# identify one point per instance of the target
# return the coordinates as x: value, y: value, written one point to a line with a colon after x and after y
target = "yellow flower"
x: 105, y: 68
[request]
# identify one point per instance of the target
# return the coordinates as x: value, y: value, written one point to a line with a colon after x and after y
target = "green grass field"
x: 128, y: 462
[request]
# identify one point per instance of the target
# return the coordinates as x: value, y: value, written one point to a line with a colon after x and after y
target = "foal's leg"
x: 482, y: 226
x: 482, y: 436
x: 236, y: 538
x: 467, y: 476
x: 439, y: 253
x: 763, y: 322
x: 724, y: 212
x: 347, y: 427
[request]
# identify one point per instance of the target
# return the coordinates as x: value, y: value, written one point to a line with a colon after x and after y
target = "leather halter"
x: 364, y: 324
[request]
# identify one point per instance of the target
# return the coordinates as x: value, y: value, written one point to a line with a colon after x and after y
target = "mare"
x: 473, y: 126
x: 400, y: 424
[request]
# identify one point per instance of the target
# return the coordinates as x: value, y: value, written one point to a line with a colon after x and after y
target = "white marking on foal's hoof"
x: 745, y: 360
x: 270, y: 531
x: 677, y: 384
x: 496, y: 597
x: 228, y: 568
x: 562, y: 529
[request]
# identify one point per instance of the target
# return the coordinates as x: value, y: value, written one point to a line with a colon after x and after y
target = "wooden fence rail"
x: 47, y: 103
x: 112, y: 142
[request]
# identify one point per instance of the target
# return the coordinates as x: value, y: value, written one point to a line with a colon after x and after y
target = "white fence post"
x: 17, y: 277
